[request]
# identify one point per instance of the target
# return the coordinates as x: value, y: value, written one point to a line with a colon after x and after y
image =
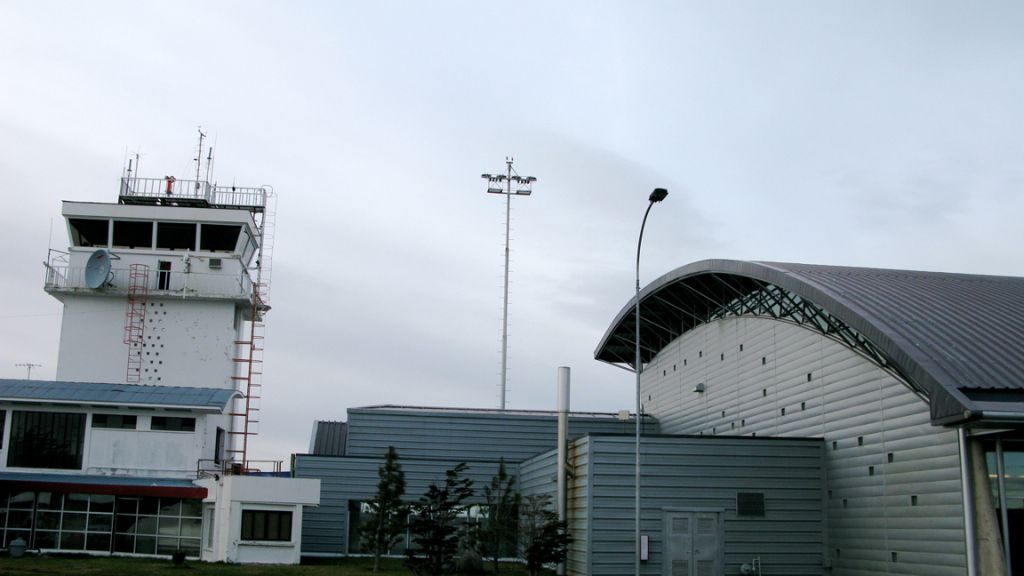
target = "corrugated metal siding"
x: 537, y: 476
x: 324, y: 529
x: 328, y: 438
x: 855, y: 406
x: 694, y: 472
x: 464, y: 435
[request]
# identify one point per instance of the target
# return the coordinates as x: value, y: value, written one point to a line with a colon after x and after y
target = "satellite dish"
x: 97, y: 269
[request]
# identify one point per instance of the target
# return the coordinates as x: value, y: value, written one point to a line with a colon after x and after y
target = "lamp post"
x: 502, y: 184
x: 656, y: 196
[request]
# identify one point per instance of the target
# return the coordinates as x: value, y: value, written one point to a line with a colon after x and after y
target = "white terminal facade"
x: 158, y: 371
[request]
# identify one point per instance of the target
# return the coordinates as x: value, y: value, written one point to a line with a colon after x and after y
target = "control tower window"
x: 85, y: 232
x: 175, y: 236
x: 218, y: 238
x: 132, y: 234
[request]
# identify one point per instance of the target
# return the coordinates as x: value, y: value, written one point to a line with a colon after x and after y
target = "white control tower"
x: 167, y: 287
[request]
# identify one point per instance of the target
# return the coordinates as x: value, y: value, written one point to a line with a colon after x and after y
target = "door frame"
x: 667, y: 511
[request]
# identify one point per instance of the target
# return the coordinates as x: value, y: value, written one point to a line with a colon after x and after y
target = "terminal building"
x: 797, y: 419
x: 141, y: 444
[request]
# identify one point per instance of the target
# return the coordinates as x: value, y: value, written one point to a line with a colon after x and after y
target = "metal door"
x: 693, y: 544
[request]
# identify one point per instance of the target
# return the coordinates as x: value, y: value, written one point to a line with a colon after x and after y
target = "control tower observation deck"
x: 171, y: 273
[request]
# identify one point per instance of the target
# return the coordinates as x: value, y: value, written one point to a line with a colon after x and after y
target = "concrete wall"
x: 894, y: 493
x: 139, y: 452
x: 188, y: 342
x: 229, y: 496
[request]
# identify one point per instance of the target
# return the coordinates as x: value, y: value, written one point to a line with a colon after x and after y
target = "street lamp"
x: 656, y: 196
x: 502, y: 184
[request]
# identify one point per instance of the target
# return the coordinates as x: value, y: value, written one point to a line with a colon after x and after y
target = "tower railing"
x: 64, y: 277
x: 174, y: 192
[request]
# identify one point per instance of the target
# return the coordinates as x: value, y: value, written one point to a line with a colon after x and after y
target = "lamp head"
x: 658, y: 195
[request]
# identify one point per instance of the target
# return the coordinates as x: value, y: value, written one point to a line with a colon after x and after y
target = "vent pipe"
x: 563, y: 444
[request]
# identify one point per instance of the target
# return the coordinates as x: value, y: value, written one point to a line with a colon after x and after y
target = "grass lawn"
x: 107, y: 566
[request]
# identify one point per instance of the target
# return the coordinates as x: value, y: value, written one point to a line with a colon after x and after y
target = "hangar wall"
x: 894, y: 492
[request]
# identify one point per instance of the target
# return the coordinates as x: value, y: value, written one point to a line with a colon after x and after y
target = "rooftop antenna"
x: 502, y: 184
x: 209, y: 162
x: 199, y: 155
x: 29, y: 366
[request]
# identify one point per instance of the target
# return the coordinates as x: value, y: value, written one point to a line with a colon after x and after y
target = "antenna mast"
x: 29, y: 366
x: 502, y: 184
x: 199, y: 155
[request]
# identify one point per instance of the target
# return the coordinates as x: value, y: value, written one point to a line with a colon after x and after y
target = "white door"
x: 692, y: 544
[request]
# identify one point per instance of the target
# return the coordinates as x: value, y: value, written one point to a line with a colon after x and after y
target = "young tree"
x: 545, y: 537
x: 387, y: 511
x: 502, y: 520
x: 435, y: 524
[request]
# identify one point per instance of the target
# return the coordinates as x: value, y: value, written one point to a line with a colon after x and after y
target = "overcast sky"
x: 885, y: 134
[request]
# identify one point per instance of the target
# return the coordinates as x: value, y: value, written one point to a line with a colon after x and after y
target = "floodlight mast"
x: 502, y: 184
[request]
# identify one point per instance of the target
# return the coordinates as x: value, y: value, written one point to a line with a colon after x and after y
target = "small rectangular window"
x: 750, y: 504
x: 118, y: 421
x: 266, y: 525
x: 3, y: 420
x: 176, y: 236
x: 46, y: 440
x: 173, y: 424
x: 133, y: 234
x: 88, y: 232
x: 218, y: 238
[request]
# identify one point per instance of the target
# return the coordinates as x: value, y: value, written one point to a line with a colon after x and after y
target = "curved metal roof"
x: 954, y: 338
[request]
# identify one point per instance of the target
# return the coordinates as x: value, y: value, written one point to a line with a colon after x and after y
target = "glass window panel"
x: 168, y: 526
x: 97, y: 542
x: 100, y: 522
x: 273, y: 527
x: 192, y: 527
x: 149, y: 505
x: 176, y: 236
x: 48, y: 501
x: 73, y: 521
x: 12, y: 534
x: 47, y: 520
x: 145, y: 545
x: 124, y: 543
x: 146, y: 525
x: 22, y: 500
x: 218, y: 237
x: 72, y: 540
x: 101, y: 503
x: 19, y: 519
x: 192, y: 508
x: 132, y: 234
x: 45, y: 539
x: 247, y: 525
x: 127, y: 505
x: 167, y: 545
x: 88, y: 232
x: 190, y: 546
x: 46, y: 440
x: 170, y: 507
x: 125, y: 524
x: 286, y: 525
x: 76, y: 502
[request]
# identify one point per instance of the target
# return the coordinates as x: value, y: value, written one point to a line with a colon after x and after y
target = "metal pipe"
x: 970, y: 527
x: 1001, y: 482
x: 563, y: 447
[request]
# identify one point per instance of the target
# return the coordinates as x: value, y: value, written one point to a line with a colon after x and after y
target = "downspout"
x: 970, y: 530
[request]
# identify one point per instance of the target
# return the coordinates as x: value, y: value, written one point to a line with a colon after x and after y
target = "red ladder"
x: 135, y: 320
x: 248, y: 382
